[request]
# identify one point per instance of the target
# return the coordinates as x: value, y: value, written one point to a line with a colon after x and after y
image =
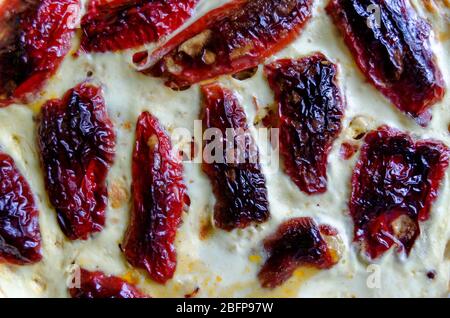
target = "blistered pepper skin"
x: 77, y: 145
x: 159, y: 198
x: 297, y: 242
x: 394, y: 185
x: 20, y: 236
x: 238, y: 182
x: 123, y: 24
x: 30, y: 55
x: 235, y: 37
x: 97, y: 285
x: 391, y: 45
x: 309, y: 114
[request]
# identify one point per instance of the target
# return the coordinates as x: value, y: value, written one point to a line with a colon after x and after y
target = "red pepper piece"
x: 20, y: 237
x: 230, y: 39
x: 391, y: 46
x: 238, y: 182
x: 347, y: 150
x: 159, y: 198
x: 77, y: 145
x: 297, y: 242
x: 98, y: 285
x: 310, y: 112
x: 395, y: 182
x: 36, y: 36
x: 123, y: 24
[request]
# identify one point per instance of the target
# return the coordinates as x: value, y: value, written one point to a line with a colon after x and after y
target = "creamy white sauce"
x: 226, y: 264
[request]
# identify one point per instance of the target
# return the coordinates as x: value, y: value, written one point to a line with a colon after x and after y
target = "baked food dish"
x: 363, y: 245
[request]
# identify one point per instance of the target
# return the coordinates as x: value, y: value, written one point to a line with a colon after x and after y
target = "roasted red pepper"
x: 297, y: 242
x: 232, y: 38
x: 395, y: 182
x: 310, y: 112
x: 159, y: 198
x: 77, y: 144
x: 35, y: 37
x: 98, y: 285
x: 123, y: 24
x: 238, y: 182
x: 20, y: 237
x: 391, y: 45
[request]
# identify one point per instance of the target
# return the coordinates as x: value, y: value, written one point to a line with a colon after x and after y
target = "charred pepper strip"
x: 310, y: 112
x: 395, y: 182
x: 77, y: 145
x: 391, y: 45
x: 227, y: 40
x: 159, y: 198
x: 239, y: 184
x: 297, y: 242
x: 20, y: 237
x: 98, y: 285
x: 35, y: 37
x: 123, y: 24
